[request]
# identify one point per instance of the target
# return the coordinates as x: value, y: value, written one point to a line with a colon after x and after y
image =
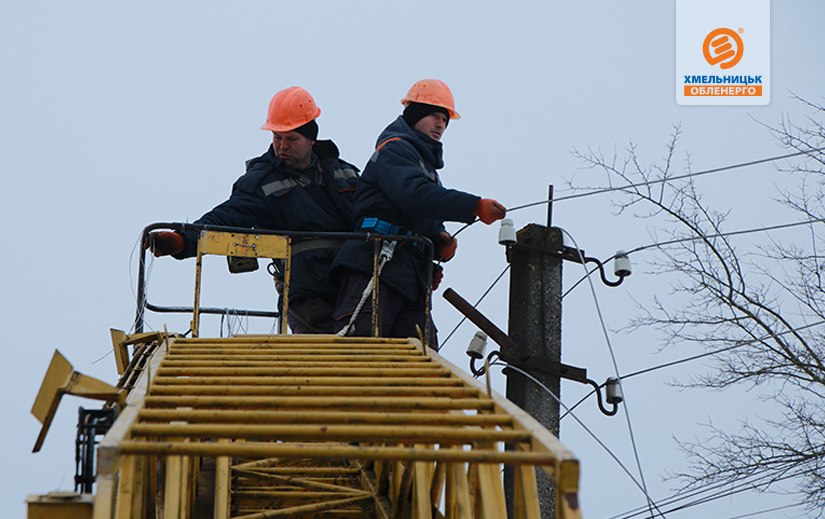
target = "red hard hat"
x: 289, y: 109
x: 432, y: 92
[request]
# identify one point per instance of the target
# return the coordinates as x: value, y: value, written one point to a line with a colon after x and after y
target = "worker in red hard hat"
x: 400, y: 193
x: 299, y: 184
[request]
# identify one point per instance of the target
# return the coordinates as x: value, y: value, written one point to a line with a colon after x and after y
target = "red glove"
x: 438, y: 275
x: 446, y: 246
x: 488, y: 210
x: 164, y: 243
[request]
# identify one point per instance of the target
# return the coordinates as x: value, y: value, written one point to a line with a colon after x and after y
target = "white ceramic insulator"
x: 477, y: 345
x: 507, y: 233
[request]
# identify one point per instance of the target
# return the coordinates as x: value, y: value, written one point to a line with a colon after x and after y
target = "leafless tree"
x: 761, y: 309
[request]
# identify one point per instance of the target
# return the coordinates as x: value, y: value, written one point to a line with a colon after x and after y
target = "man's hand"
x: 488, y: 210
x: 164, y: 243
x: 438, y: 275
x: 445, y: 246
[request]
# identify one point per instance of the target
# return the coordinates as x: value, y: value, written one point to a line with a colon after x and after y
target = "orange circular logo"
x: 724, y: 47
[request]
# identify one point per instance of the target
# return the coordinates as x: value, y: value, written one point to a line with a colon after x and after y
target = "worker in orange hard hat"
x: 299, y: 184
x: 293, y: 110
x: 400, y: 193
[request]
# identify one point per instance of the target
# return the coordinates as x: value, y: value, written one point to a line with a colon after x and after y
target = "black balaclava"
x: 309, y: 130
x: 414, y: 112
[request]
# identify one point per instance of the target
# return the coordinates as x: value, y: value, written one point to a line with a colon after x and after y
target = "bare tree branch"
x: 754, y: 306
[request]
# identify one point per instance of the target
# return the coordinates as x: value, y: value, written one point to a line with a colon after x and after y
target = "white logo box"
x: 715, y: 82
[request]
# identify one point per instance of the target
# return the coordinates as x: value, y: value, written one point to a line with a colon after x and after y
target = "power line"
x: 760, y: 512
x: 555, y: 397
x: 667, y: 179
x: 652, y: 182
x: 480, y: 299
x: 696, y: 357
x: 657, y: 245
x: 615, y: 369
x: 725, y: 234
x: 697, y: 238
x: 581, y: 401
x: 717, y: 352
x: 725, y: 493
x: 748, y: 482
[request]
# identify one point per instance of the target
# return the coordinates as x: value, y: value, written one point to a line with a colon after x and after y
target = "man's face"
x: 432, y: 125
x: 293, y: 149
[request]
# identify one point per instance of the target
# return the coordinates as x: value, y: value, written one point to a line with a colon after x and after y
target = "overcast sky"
x: 116, y: 116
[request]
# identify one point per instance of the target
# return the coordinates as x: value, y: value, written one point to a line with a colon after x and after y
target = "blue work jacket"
x: 400, y: 185
x: 272, y: 196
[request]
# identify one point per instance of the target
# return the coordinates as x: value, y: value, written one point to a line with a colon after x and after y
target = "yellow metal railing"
x: 242, y: 245
x: 261, y: 243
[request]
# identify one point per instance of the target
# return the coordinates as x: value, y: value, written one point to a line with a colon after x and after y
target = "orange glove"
x: 488, y: 210
x: 164, y: 243
x: 445, y: 246
x: 438, y: 275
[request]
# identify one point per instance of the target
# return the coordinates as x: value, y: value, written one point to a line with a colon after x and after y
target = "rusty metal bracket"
x: 565, y: 252
x: 510, y: 350
x: 510, y: 353
x: 571, y: 254
x: 556, y: 369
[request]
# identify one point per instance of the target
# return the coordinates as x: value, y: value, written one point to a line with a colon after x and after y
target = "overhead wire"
x: 480, y: 299
x: 706, y: 354
x: 555, y: 397
x: 730, y: 233
x: 748, y: 482
x: 651, y: 182
x: 667, y: 179
x: 698, y: 238
x: 707, y: 499
x: 767, y: 510
x: 580, y: 401
x: 720, y: 350
x: 670, y: 242
x: 590, y: 193
x: 616, y: 371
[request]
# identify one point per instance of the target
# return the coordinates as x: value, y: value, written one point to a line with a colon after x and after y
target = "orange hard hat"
x: 289, y: 109
x: 432, y: 92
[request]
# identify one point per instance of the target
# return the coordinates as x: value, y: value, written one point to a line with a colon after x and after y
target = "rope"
x: 387, y: 249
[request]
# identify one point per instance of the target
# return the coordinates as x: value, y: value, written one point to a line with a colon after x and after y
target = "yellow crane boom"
x: 299, y: 426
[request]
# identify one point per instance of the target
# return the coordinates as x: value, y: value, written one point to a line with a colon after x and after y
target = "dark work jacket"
x: 273, y: 196
x: 400, y: 185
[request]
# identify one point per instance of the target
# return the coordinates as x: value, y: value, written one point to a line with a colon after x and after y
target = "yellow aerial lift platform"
x: 261, y: 426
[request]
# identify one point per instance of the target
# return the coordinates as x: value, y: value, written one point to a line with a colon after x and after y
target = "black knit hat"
x: 414, y: 112
x: 309, y: 130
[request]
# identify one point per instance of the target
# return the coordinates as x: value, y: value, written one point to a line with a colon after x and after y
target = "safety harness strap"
x: 387, y: 249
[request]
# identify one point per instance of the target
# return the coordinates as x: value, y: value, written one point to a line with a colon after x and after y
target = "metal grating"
x: 323, y: 426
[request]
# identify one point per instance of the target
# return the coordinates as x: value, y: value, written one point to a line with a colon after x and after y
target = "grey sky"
x: 115, y: 116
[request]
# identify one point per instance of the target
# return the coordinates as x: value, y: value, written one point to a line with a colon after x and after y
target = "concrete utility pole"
x: 535, y: 325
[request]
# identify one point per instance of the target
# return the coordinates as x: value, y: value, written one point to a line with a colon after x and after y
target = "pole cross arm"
x: 556, y: 369
x: 528, y: 242
x: 507, y: 344
x: 564, y: 252
x: 510, y: 350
